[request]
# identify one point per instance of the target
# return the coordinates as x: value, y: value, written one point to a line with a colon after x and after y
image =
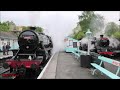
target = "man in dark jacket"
x: 4, y: 49
x: 7, y: 48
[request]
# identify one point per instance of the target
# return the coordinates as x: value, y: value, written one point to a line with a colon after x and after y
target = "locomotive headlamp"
x: 27, y: 47
x: 89, y: 35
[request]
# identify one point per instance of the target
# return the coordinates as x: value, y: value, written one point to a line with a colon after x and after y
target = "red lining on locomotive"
x: 104, y: 38
x: 107, y: 53
x: 26, y: 63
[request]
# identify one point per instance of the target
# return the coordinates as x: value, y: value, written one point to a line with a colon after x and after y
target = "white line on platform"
x: 41, y: 74
x: 5, y: 56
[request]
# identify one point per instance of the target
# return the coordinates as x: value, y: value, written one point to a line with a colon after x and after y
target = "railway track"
x: 3, y: 71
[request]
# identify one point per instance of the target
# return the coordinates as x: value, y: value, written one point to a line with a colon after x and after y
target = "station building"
x: 8, y: 37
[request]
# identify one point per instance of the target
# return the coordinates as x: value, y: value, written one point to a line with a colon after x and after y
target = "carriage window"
x: 70, y: 42
x: 74, y: 44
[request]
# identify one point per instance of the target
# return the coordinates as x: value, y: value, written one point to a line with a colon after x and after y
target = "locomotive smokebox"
x: 32, y: 28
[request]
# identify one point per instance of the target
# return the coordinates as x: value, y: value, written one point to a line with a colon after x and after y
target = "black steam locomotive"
x: 101, y: 46
x: 35, y: 49
x: 35, y: 44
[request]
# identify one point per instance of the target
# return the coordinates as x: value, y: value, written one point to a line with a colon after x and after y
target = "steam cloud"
x: 34, y: 17
x: 113, y: 42
x: 56, y: 25
x: 58, y: 28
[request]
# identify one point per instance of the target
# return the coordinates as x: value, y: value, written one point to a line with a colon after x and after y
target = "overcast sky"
x: 19, y: 16
x: 58, y: 24
x: 53, y: 19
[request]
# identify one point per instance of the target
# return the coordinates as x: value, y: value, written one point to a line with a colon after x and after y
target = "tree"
x: 25, y: 28
x: 85, y: 19
x: 92, y: 21
x: 96, y: 23
x: 12, y: 26
x: 111, y: 28
x: 38, y: 29
x: 7, y: 26
x: 4, y: 26
x: 79, y: 35
x: 88, y: 20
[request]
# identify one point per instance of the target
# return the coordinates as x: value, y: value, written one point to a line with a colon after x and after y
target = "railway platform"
x: 65, y: 66
x: 3, y: 57
x: 10, y: 53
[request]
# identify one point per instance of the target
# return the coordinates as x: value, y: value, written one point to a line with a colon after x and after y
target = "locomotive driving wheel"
x: 22, y: 71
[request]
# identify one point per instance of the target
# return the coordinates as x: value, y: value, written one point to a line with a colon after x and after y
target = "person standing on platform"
x: 4, y: 49
x: 7, y: 48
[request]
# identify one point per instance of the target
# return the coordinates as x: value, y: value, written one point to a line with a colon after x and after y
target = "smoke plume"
x: 34, y: 17
x: 58, y: 26
x: 101, y: 31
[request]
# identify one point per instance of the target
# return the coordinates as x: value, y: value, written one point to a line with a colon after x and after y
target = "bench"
x: 105, y: 71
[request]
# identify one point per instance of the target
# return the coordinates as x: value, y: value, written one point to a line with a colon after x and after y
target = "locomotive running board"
x: 26, y: 54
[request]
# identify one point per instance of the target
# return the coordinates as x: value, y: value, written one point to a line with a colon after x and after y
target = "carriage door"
x: 74, y: 44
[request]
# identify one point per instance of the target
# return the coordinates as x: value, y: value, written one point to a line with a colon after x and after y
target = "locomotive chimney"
x: 101, y: 36
x: 32, y: 28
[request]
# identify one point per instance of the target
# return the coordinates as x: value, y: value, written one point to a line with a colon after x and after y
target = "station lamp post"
x: 89, y: 35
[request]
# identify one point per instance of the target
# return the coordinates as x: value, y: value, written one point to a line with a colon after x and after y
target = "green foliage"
x: 10, y: 25
x: 117, y: 35
x: 25, y: 28
x: 111, y: 29
x: 85, y: 19
x: 79, y: 35
x: 38, y: 29
x: 96, y: 23
x: 4, y: 26
x: 88, y: 20
x: 92, y: 21
x: 7, y: 26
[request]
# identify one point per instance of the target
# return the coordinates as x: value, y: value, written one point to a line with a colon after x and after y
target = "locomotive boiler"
x: 34, y: 51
